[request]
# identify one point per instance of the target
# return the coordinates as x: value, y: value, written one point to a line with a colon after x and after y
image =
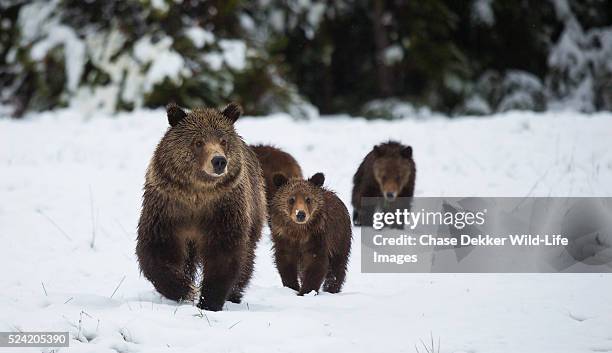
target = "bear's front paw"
x: 235, y: 298
x: 210, y: 307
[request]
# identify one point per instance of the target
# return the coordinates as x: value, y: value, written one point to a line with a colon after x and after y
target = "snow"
x: 393, y: 54
x: 315, y: 14
x: 160, y: 5
x: 199, y: 36
x: 122, y: 72
x: 277, y: 20
x: 33, y: 18
x: 128, y: 80
x: 74, y: 52
x: 89, y: 100
x: 38, y: 27
x: 234, y: 53
x: 562, y: 9
x: 580, y: 64
x: 165, y: 62
x: 392, y: 108
x: 247, y: 23
x: 482, y: 12
x: 168, y: 65
x: 477, y: 105
x: 521, y: 91
x: 214, y: 60
x: 71, y: 188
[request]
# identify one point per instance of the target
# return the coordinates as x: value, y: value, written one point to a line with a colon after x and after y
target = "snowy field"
x: 70, y: 191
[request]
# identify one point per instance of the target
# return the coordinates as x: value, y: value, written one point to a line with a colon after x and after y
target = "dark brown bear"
x: 311, y: 232
x: 388, y: 172
x: 275, y: 161
x: 204, y: 205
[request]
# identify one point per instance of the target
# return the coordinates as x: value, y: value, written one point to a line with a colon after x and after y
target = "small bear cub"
x: 311, y: 233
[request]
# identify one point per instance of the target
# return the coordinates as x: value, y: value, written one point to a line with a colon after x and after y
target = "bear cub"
x: 203, y: 206
x: 387, y: 172
x: 311, y: 234
x: 275, y: 161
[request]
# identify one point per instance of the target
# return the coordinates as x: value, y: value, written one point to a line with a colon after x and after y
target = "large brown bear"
x: 275, y: 161
x: 387, y: 172
x: 204, y: 205
x: 311, y: 232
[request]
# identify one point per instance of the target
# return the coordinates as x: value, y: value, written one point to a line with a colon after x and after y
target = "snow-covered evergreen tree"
x: 373, y: 57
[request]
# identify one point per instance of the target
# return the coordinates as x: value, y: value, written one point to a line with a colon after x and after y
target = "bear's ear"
x: 232, y: 111
x: 378, y: 151
x: 279, y: 180
x: 317, y: 179
x: 175, y: 114
x: 406, y: 152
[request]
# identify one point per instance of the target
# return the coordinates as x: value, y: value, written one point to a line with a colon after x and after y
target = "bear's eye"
x: 308, y: 200
x: 384, y: 178
x: 291, y: 200
x: 223, y: 142
x: 199, y: 144
x: 397, y: 178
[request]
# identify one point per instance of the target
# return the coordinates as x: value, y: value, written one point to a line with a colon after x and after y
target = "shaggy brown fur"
x: 311, y: 232
x: 388, y: 172
x: 275, y: 161
x: 203, y: 206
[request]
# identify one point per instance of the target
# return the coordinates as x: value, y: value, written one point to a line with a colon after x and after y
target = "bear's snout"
x: 300, y: 216
x: 390, y: 196
x: 300, y: 209
x: 219, y: 163
x: 212, y: 159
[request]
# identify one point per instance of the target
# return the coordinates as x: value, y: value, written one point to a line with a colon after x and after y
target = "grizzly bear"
x: 387, y: 172
x: 275, y: 161
x: 203, y: 206
x: 311, y: 234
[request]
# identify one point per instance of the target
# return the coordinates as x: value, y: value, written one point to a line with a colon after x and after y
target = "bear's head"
x: 393, y: 166
x: 200, y: 147
x: 297, y: 199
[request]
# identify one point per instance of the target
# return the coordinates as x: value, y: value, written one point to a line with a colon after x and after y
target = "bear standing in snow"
x: 389, y: 172
x: 204, y: 205
x: 311, y: 232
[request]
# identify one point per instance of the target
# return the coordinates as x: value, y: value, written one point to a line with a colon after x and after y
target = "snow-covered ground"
x: 70, y: 192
